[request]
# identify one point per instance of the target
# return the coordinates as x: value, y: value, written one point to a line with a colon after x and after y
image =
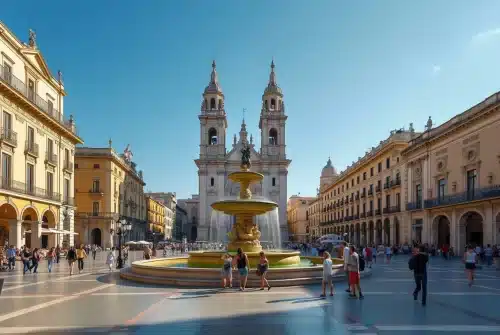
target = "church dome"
x: 328, y: 170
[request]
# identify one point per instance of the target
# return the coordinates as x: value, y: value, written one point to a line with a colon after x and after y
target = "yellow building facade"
x: 156, y: 218
x: 37, y: 143
x: 297, y: 219
x: 108, y: 188
x: 441, y: 186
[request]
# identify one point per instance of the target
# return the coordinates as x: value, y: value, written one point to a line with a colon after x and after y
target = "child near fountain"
x: 227, y: 271
x: 262, y: 271
x: 327, y: 274
x: 110, y: 260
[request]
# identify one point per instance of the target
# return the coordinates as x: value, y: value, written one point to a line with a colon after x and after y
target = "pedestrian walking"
x: 353, y: 270
x: 242, y: 265
x: 50, y: 258
x: 94, y: 251
x: 81, y: 255
x: 345, y: 256
x: 11, y: 257
x: 327, y: 274
x: 418, y: 264
x: 71, y: 257
x: 227, y: 271
x: 26, y: 259
x: 470, y: 259
x: 58, y: 253
x: 262, y: 271
x: 110, y: 259
x: 35, y: 259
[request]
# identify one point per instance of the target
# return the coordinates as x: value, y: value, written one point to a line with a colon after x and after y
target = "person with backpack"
x: 368, y: 252
x: 418, y: 264
x: 71, y: 257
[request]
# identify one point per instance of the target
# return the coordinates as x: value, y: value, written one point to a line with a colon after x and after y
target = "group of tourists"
x: 241, y: 263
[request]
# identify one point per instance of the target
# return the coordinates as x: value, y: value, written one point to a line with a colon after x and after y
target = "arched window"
x: 212, y: 136
x: 212, y: 181
x: 220, y: 104
x: 273, y: 137
x: 206, y: 104
x: 212, y: 103
x: 273, y: 104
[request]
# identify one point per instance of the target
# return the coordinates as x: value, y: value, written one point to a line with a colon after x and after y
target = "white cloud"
x: 436, y: 69
x: 486, y: 35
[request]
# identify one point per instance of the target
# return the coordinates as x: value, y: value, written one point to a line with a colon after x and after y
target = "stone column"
x: 393, y: 232
x: 15, y: 233
x: 454, y: 231
x: 488, y: 225
x: 36, y: 234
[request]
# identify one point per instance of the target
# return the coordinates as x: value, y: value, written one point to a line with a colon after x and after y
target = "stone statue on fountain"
x: 245, y: 158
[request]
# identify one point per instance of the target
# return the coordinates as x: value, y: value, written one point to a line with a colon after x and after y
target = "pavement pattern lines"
x: 87, y: 303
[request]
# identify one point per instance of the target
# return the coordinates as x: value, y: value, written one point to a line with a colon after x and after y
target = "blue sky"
x: 350, y: 70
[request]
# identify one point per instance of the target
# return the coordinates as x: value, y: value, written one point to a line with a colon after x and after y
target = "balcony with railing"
x: 357, y: 197
x: 411, y: 206
x: 27, y: 189
x: 51, y: 158
x: 370, y: 192
x: 396, y: 182
x: 387, y: 185
x: 348, y: 218
x: 96, y: 214
x: 31, y: 148
x: 378, y: 189
x: 378, y: 211
x: 362, y: 215
x: 369, y: 213
x: 96, y: 191
x: 463, y: 197
x: 355, y: 217
x: 68, y: 166
x: 363, y: 194
x: 8, y: 136
x: 18, y: 86
x: 68, y: 201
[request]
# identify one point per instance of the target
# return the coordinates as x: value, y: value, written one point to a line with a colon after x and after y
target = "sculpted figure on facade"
x: 32, y: 38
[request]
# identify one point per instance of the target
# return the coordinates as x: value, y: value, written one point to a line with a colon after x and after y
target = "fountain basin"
x: 245, y: 177
x: 206, y: 259
x: 248, y: 207
x: 166, y: 271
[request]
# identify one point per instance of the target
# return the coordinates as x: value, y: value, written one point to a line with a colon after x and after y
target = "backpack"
x: 361, y: 263
x: 411, y: 263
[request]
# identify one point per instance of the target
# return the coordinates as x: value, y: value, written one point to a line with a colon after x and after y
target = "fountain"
x: 202, y: 268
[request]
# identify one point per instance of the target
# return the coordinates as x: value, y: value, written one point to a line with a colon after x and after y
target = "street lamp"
x: 122, y: 229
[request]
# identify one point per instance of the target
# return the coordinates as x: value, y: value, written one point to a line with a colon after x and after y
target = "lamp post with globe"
x: 122, y: 229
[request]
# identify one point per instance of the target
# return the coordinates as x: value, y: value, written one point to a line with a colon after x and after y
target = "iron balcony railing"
x: 31, y: 148
x: 51, y: 158
x: 348, y: 218
x: 355, y: 217
x: 31, y: 190
x: 9, y: 136
x: 96, y: 214
x: 68, y: 166
x: 411, y: 206
x: 396, y: 182
x: 370, y: 192
x: 96, y: 190
x: 377, y: 211
x: 457, y: 198
x: 20, y: 87
x: 369, y: 213
x: 387, y: 185
x: 363, y: 194
x: 378, y: 189
x: 362, y: 215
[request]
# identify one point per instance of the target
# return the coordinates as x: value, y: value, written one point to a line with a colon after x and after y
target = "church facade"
x: 216, y: 160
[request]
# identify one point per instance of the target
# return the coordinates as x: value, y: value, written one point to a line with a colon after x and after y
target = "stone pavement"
x: 99, y: 302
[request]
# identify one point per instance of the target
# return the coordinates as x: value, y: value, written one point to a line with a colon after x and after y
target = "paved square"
x: 100, y: 302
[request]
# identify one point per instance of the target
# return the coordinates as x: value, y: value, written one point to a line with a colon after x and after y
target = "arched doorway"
x: 96, y: 236
x: 48, y: 221
x: 471, y: 224
x: 397, y: 231
x: 387, y: 231
x: 29, y: 216
x: 371, y: 238
x: 8, y: 213
x: 441, y: 231
x: 378, y: 239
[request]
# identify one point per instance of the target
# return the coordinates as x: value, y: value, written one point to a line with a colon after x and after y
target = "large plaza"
x: 97, y: 301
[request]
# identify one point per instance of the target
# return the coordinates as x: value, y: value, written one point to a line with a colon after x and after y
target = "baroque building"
x: 37, y: 142
x: 108, y: 188
x: 215, y: 161
x: 439, y: 187
x: 298, y: 228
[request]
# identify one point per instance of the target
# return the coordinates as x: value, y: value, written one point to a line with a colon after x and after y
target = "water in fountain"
x: 220, y: 226
x: 269, y: 227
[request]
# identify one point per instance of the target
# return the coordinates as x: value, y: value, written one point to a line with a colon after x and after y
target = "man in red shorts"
x: 353, y: 270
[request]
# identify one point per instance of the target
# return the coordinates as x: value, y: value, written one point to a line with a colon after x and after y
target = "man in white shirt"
x: 345, y: 256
